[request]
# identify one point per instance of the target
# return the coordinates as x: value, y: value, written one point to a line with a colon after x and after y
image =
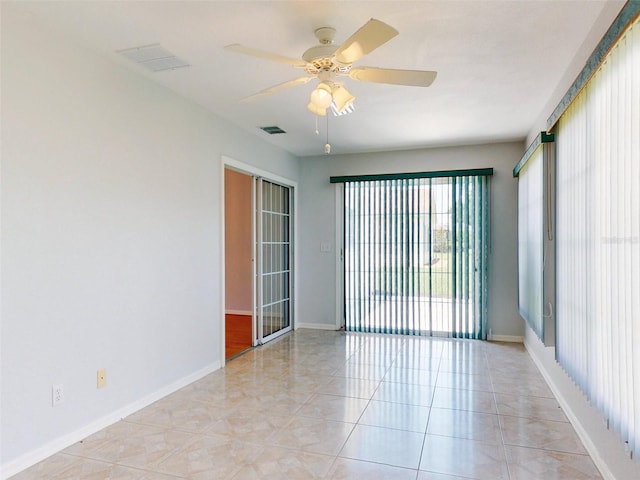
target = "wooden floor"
x: 238, y: 334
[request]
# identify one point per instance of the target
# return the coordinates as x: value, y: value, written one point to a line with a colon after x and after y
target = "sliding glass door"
x: 416, y: 254
x: 274, y: 262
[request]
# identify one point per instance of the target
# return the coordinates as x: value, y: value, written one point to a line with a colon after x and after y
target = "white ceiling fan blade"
x: 254, y: 52
x: 370, y: 36
x: 278, y: 88
x: 411, y: 78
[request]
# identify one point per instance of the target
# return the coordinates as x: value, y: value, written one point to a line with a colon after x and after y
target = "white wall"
x: 318, y: 223
x: 111, y: 237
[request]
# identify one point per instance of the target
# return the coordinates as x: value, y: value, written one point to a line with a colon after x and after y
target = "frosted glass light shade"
x: 342, y: 98
x: 321, y: 96
x: 316, y: 110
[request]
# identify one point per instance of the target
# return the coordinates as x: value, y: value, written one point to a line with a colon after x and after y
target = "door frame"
x: 254, y: 171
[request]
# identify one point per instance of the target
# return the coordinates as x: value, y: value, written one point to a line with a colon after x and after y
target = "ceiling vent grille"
x: 153, y: 57
x: 272, y: 130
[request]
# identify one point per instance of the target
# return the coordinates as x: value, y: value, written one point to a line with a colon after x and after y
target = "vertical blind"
x: 598, y: 238
x: 536, y: 242
x: 416, y: 255
x: 530, y: 241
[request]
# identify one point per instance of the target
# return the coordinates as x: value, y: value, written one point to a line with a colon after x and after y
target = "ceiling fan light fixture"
x: 321, y: 96
x: 316, y: 110
x: 342, y: 99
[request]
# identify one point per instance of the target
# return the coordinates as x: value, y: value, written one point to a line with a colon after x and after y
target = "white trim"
x: 507, y: 338
x: 254, y: 262
x: 238, y: 312
x: 223, y: 259
x: 31, y: 458
x: 316, y: 326
x: 252, y: 170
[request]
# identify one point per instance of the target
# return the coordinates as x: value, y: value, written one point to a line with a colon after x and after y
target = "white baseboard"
x: 506, y: 338
x: 31, y: 458
x: 604, y: 446
x: 316, y: 326
x: 238, y: 312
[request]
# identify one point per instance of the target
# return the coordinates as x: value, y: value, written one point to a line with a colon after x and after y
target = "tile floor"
x: 331, y: 405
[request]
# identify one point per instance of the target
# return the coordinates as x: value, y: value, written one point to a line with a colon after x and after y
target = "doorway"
x: 258, y: 279
x: 238, y: 209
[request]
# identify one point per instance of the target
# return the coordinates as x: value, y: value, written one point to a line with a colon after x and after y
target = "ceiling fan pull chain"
x: 327, y: 146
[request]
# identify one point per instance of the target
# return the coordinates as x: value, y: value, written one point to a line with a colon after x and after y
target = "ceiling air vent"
x: 272, y: 130
x: 153, y: 57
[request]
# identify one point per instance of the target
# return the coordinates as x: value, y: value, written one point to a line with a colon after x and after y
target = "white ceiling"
x: 498, y: 63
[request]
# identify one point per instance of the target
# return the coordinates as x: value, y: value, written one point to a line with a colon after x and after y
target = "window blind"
x: 536, y: 242
x: 598, y: 238
x: 416, y: 254
x: 530, y: 238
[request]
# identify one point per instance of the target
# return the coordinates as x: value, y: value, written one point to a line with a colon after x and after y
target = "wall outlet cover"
x: 57, y: 394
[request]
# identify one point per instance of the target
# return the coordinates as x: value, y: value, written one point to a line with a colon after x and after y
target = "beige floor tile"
x: 531, y: 432
x: 422, y: 347
x: 315, y: 435
x: 464, y: 381
x: 404, y: 393
x: 465, y: 424
x: 438, y: 476
x: 333, y: 407
x: 210, y: 457
x: 399, y: 416
x: 407, y: 360
x: 465, y: 458
x: 362, y: 371
x: 522, y: 385
x: 302, y: 383
x: 348, y: 469
x: 411, y: 376
x: 85, y: 468
x: 250, y: 428
x: 191, y: 416
x: 279, y: 463
x: 134, y: 445
x: 279, y: 402
x: 48, y: 468
x: 464, y: 365
x: 534, y: 464
x: 531, y: 407
x: 314, y: 369
x: 397, y: 448
x: 470, y: 400
x: 371, y: 358
x: 349, y: 387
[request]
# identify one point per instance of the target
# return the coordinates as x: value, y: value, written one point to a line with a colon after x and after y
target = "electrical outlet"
x: 57, y: 394
x: 102, y: 377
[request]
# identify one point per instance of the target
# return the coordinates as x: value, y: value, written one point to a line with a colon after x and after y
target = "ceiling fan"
x: 328, y: 62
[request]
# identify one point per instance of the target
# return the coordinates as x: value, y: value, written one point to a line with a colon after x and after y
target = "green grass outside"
x: 417, y: 282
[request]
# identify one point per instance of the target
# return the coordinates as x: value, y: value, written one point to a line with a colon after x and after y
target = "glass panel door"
x: 274, y: 263
x: 415, y: 256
